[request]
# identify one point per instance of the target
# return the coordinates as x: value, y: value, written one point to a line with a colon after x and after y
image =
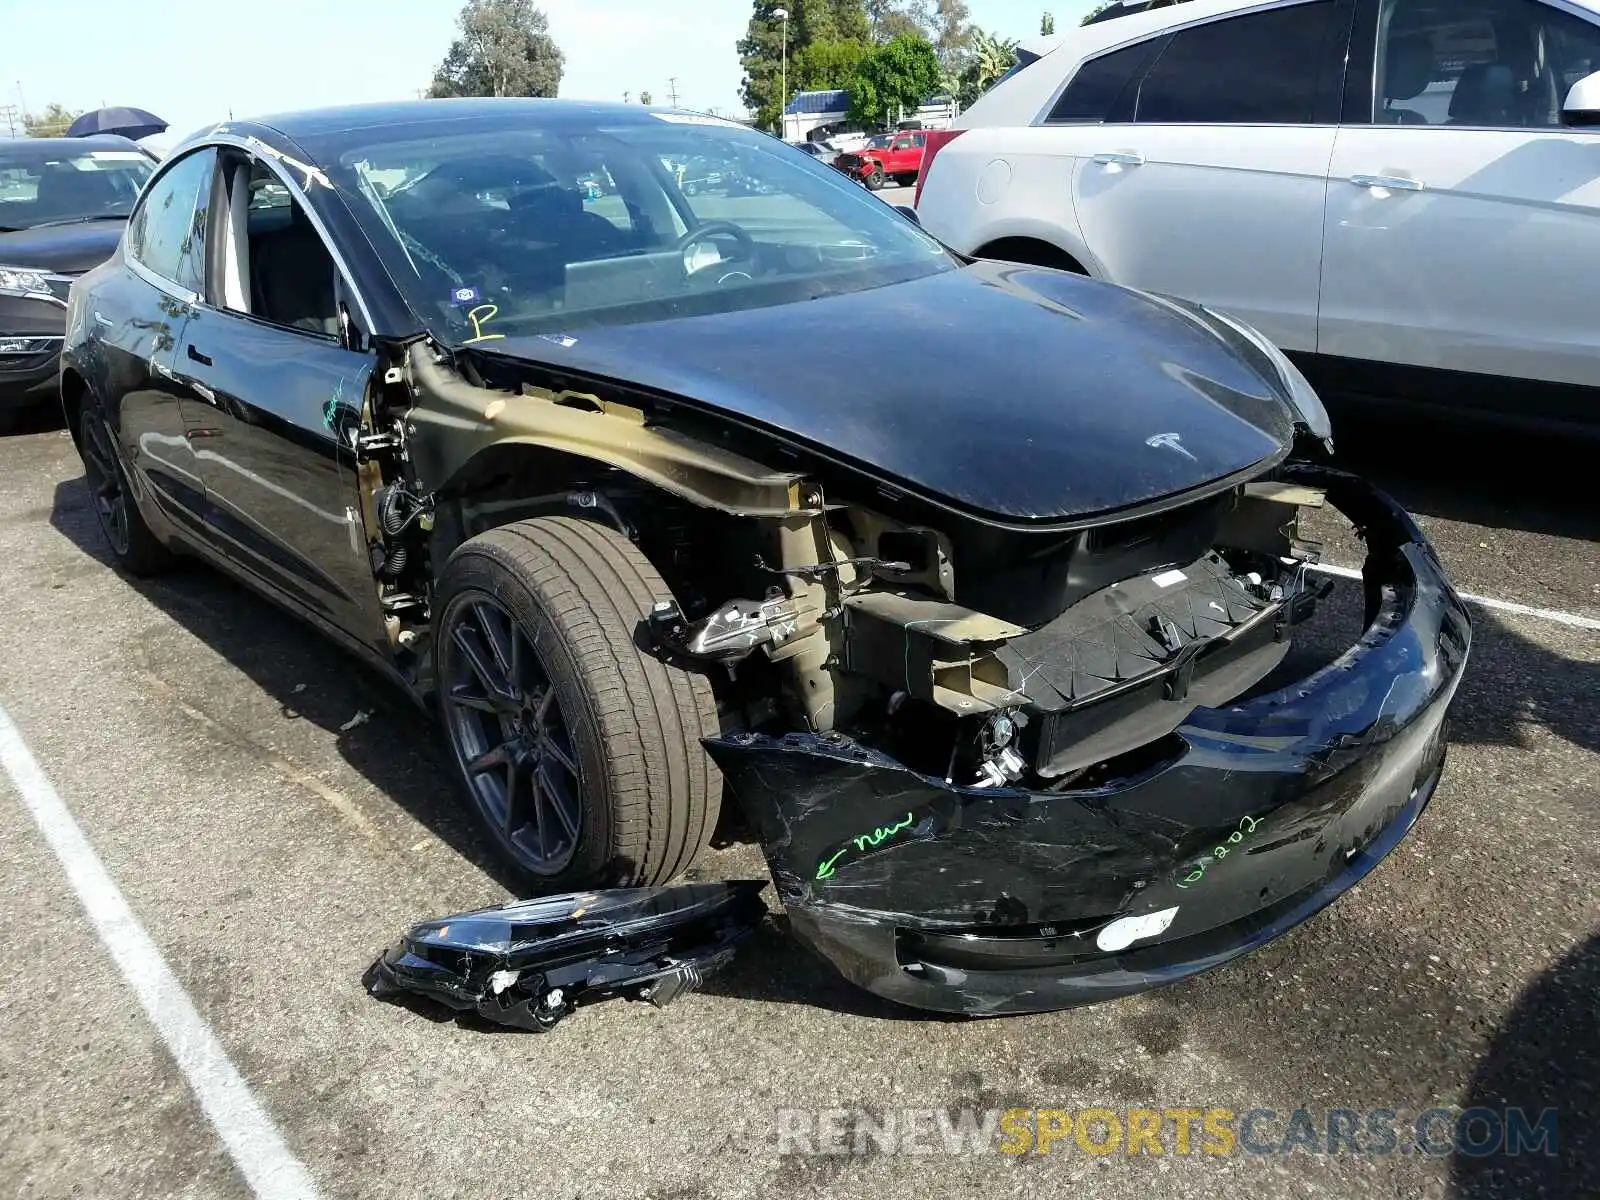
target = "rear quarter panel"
x: 1007, y: 182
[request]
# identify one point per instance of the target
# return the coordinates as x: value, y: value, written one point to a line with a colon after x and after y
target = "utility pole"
x: 10, y: 113
x: 672, y: 93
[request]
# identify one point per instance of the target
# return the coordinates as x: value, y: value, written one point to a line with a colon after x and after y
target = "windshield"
x: 558, y: 228
x: 48, y: 186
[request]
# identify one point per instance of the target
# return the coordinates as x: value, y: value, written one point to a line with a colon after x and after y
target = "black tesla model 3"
x: 996, y: 620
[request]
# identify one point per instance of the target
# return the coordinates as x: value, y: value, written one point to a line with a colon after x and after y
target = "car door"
x: 904, y: 156
x: 274, y: 393
x: 1463, y: 218
x: 1207, y: 174
x: 137, y: 315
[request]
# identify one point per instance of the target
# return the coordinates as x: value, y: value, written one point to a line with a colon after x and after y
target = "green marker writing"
x: 864, y: 842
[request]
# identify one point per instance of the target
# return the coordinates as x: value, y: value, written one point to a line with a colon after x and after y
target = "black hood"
x: 65, y: 249
x: 1009, y: 391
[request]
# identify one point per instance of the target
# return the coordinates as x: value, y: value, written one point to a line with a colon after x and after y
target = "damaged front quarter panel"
x: 1253, y: 816
x: 453, y: 421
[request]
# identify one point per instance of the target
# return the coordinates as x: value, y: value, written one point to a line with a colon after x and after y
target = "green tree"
x: 1047, y: 24
x: 954, y: 30
x: 761, y: 56
x: 1095, y: 11
x: 822, y: 66
x: 813, y: 21
x: 991, y: 58
x: 826, y: 40
x: 898, y: 75
x: 52, y: 122
x: 645, y: 98
x: 890, y: 19
x: 505, y: 49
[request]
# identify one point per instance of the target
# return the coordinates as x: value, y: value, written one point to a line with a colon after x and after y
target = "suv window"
x: 1093, y: 90
x: 1497, y: 63
x: 168, y: 230
x: 1259, y: 69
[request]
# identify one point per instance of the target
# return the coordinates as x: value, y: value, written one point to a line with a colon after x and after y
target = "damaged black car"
x: 982, y: 617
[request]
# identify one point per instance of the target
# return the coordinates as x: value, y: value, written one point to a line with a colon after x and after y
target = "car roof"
x: 485, y: 113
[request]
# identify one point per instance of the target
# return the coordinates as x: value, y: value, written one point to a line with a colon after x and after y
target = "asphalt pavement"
x: 275, y: 816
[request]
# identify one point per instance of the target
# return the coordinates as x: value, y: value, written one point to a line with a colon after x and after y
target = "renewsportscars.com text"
x: 1217, y: 1132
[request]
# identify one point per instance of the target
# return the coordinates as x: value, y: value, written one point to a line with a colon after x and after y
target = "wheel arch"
x: 73, y: 390
x: 462, y: 439
x: 1033, y: 251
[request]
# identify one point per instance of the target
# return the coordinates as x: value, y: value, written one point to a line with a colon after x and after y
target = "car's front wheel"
x: 136, y: 550
x: 580, y: 751
x: 873, y: 179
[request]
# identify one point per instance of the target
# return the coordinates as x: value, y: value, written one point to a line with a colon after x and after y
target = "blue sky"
x: 191, y: 61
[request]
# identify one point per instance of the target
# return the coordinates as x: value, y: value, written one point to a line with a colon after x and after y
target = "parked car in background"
x: 896, y: 156
x: 990, y: 646
x: 1404, y: 194
x: 63, y: 205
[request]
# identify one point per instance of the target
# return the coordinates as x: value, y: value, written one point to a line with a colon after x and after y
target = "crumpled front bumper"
x: 990, y: 901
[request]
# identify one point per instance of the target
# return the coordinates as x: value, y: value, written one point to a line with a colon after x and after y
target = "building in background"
x: 817, y: 115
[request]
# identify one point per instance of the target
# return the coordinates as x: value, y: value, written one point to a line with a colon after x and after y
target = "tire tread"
x: 596, y: 588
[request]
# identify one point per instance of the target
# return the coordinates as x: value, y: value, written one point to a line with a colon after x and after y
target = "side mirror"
x: 1583, y: 102
x: 909, y: 213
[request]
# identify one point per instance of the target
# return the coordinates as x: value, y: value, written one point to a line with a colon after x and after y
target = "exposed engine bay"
x: 1156, y: 621
x: 986, y: 654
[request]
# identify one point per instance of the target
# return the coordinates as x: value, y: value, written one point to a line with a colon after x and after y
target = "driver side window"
x: 271, y: 262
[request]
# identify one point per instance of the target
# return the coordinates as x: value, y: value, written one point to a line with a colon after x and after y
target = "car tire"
x: 906, y: 178
x: 135, y: 549
x: 873, y: 179
x: 603, y: 736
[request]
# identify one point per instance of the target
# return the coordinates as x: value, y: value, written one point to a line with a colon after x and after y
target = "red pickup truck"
x: 896, y: 156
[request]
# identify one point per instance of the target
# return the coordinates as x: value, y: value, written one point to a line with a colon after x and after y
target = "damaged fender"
x: 1260, y: 813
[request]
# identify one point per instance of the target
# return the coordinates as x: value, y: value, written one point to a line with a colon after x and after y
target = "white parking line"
x: 1571, y: 620
x: 269, y: 1167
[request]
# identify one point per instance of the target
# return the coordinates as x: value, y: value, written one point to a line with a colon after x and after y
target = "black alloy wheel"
x: 510, y: 735
x: 104, y: 477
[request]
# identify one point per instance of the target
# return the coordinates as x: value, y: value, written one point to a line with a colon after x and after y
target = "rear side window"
x: 1260, y: 69
x: 168, y: 231
x: 1093, y: 91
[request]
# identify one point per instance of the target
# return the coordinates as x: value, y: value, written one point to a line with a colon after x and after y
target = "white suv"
x: 1404, y: 194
